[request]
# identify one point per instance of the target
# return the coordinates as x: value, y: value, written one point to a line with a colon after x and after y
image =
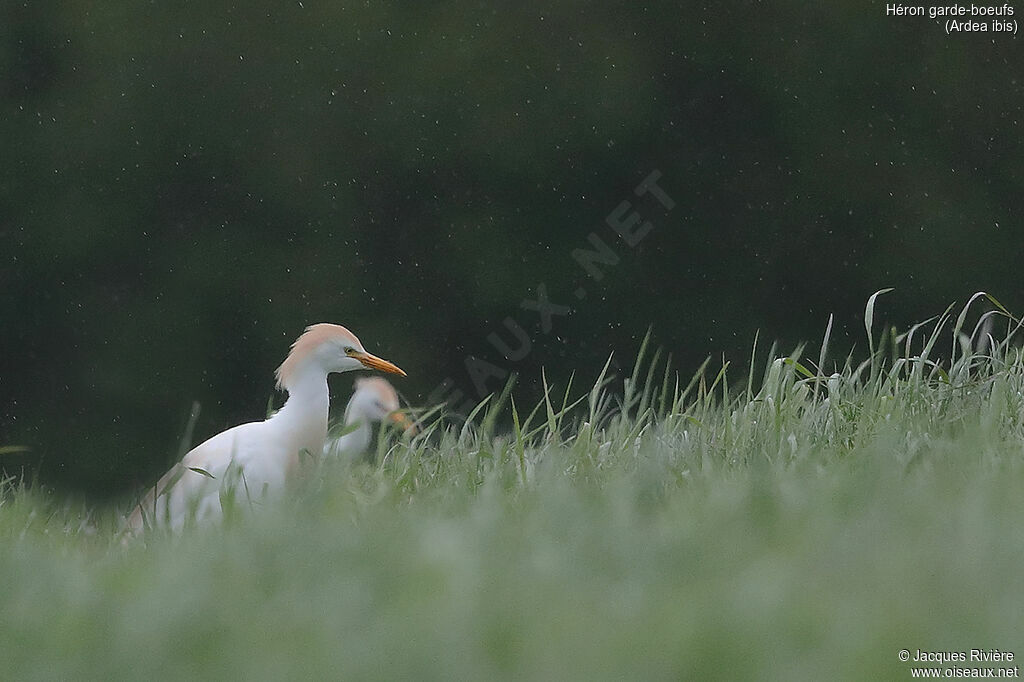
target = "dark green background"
x: 183, y: 187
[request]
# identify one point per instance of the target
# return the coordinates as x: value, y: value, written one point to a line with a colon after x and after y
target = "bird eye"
x: 349, y: 350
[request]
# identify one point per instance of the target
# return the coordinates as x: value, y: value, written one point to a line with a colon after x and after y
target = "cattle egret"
x: 373, y: 401
x: 252, y: 459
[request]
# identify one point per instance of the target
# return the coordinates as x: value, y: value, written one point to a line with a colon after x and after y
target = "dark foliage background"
x: 184, y: 187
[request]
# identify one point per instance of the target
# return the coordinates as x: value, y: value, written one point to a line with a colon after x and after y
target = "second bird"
x: 374, y: 400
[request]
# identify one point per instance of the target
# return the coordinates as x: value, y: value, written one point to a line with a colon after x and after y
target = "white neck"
x: 358, y: 440
x: 354, y: 412
x: 303, y: 418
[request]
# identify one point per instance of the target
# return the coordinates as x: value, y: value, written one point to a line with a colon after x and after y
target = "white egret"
x: 373, y: 401
x: 252, y: 459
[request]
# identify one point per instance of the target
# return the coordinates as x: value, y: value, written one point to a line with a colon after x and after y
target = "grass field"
x: 791, y: 524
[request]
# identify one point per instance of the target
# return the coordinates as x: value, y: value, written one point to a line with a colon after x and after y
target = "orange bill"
x: 401, y: 419
x: 373, y: 362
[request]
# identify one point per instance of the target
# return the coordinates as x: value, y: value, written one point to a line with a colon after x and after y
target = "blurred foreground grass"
x: 808, y: 526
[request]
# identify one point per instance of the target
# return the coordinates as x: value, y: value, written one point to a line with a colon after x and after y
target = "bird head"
x: 375, y: 399
x: 329, y: 348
